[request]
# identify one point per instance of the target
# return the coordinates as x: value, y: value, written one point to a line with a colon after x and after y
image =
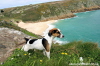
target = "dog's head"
x: 56, y: 33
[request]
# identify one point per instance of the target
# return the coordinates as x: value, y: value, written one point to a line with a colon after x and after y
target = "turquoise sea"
x: 85, y: 26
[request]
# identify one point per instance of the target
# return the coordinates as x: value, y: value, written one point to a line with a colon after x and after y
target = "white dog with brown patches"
x: 43, y: 43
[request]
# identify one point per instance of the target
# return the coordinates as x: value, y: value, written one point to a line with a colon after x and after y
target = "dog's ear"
x: 49, y: 33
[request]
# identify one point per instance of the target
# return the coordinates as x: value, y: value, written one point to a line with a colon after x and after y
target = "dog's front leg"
x: 26, y: 47
x: 48, y: 54
x: 44, y: 52
x: 23, y: 47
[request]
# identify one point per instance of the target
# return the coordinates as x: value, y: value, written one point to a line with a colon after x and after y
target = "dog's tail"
x: 26, y: 39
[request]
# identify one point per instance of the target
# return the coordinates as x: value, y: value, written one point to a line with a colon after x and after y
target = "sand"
x: 37, y: 28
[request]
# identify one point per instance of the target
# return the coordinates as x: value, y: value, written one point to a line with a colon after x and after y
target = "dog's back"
x: 33, y: 44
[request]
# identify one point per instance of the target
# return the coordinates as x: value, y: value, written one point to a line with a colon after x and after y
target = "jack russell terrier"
x: 43, y: 43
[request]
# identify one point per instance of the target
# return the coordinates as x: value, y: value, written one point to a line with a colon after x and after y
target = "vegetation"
x: 61, y: 55
x: 13, y: 26
x: 51, y: 10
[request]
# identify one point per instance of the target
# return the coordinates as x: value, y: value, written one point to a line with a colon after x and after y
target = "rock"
x: 2, y: 46
x: 15, y: 38
x: 10, y: 39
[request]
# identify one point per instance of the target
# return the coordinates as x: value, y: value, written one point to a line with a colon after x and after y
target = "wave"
x: 83, y: 12
x: 47, y: 30
x: 60, y: 41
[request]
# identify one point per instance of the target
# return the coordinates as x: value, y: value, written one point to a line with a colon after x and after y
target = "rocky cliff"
x: 50, y: 10
x: 11, y: 37
x: 9, y: 40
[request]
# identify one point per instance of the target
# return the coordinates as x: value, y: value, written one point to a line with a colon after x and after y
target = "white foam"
x: 59, y: 41
x: 47, y: 30
x: 87, y: 11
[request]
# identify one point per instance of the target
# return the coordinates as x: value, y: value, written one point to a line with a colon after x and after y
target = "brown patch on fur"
x: 47, y: 48
x: 46, y: 44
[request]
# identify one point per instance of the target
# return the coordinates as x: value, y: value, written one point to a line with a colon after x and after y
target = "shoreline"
x: 38, y: 28
x: 41, y: 27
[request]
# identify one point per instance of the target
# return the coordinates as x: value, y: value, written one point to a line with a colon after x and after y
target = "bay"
x: 84, y: 27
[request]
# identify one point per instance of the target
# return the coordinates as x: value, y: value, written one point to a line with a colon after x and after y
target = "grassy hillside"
x: 13, y: 26
x: 51, y: 10
x: 61, y: 55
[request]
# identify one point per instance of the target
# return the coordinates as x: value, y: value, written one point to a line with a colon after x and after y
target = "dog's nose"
x: 63, y: 36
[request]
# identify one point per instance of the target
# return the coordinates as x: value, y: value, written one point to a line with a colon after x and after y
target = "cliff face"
x: 51, y: 10
x: 10, y: 39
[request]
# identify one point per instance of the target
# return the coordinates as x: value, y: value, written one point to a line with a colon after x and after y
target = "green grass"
x: 45, y: 11
x: 61, y: 55
x: 13, y: 26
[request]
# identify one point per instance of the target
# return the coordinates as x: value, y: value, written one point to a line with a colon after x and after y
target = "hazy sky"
x: 14, y: 3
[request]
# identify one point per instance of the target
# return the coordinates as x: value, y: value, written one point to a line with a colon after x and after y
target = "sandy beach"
x: 37, y: 28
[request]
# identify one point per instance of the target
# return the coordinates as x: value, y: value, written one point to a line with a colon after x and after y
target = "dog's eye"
x: 58, y: 32
x: 54, y: 31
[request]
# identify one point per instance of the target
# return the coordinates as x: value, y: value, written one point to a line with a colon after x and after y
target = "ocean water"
x: 84, y: 27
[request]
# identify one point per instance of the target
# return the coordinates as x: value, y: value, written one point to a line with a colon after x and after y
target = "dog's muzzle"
x: 61, y: 36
